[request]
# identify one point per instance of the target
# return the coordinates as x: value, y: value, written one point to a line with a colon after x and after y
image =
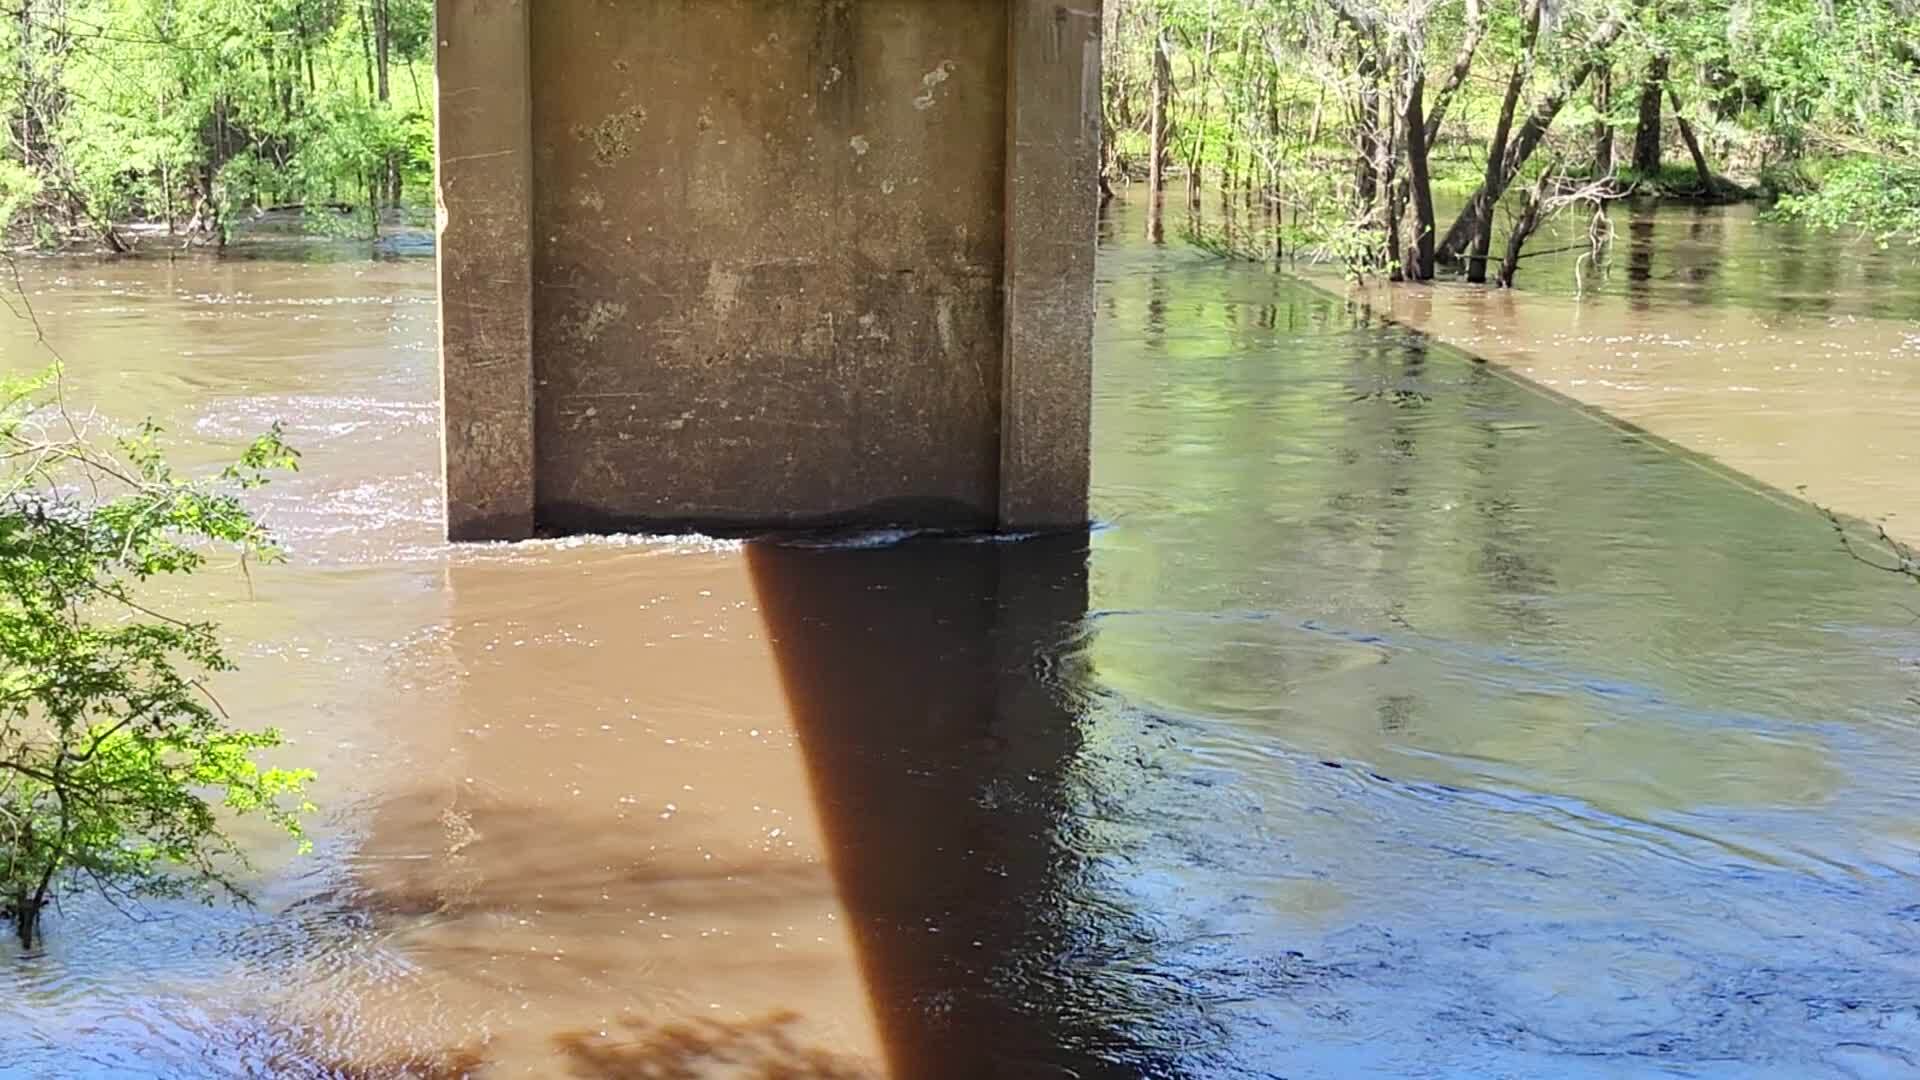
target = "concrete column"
x: 486, y: 288
x: 1053, y: 159
x: 839, y: 275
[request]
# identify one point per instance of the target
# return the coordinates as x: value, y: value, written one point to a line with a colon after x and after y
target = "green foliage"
x: 1281, y: 94
x: 18, y: 188
x: 116, y: 763
x: 1875, y: 196
x: 203, y: 110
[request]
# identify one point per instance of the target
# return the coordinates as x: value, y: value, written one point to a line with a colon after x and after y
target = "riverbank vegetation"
x: 118, y: 767
x: 1342, y: 127
x: 1397, y: 137
x: 182, y: 116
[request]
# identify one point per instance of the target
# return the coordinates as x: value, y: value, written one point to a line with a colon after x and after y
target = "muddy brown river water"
x: 1398, y: 720
x: 1786, y: 354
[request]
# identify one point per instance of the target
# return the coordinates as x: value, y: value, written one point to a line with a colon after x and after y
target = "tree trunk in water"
x: 26, y: 922
x: 1419, y: 178
x: 1490, y: 188
x: 1396, y: 209
x: 166, y: 192
x: 1272, y: 178
x: 1603, y: 136
x: 1366, y: 173
x: 29, y: 907
x: 1646, y: 137
x: 1391, y: 192
x: 1528, y: 140
x: 1522, y: 229
x: 1157, y: 141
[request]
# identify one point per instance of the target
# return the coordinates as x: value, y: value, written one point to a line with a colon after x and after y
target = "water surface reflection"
x: 1499, y: 739
x: 1399, y: 720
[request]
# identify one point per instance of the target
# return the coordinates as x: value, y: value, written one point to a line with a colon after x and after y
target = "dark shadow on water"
x: 763, y: 1048
x: 759, y: 1049
x: 942, y: 750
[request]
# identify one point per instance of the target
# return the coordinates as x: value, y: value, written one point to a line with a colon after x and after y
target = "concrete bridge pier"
x: 761, y: 264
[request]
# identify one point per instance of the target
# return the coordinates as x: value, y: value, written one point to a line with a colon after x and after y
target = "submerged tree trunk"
x: 26, y: 921
x: 1270, y: 154
x: 1603, y: 134
x: 1157, y: 140
x: 1419, y: 179
x: 31, y: 895
x: 1396, y: 255
x: 1367, y: 137
x: 1545, y: 109
x: 1523, y: 228
x: 1490, y: 188
x: 1392, y: 191
x: 1646, y: 136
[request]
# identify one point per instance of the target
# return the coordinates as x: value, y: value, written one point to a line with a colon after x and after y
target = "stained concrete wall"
x: 763, y: 263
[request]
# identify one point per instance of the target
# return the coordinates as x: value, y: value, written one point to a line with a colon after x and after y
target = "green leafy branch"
x: 117, y: 764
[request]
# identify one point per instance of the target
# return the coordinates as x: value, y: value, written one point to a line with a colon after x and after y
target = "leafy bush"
x: 115, y: 761
x: 1875, y: 196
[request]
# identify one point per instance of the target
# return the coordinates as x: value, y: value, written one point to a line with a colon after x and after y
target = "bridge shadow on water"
x: 942, y: 742
x: 935, y: 762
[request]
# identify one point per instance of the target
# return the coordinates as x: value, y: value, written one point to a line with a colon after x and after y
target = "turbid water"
x: 1789, y: 354
x: 1399, y: 720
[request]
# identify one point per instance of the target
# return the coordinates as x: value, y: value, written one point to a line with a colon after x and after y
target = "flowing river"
x: 1400, y: 719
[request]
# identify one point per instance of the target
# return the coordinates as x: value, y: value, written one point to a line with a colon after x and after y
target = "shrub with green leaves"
x: 1876, y: 197
x: 117, y: 765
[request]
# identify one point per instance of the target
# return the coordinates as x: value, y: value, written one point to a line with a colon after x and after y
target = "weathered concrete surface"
x: 781, y: 271
x: 486, y: 298
x: 1053, y: 146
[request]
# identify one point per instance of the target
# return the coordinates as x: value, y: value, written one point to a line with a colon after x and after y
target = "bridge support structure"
x: 764, y: 264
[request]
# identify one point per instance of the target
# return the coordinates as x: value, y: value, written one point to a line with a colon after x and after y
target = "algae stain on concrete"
x: 930, y: 85
x: 587, y: 325
x: 612, y: 138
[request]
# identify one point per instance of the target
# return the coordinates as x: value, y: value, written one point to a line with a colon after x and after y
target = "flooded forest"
x: 1495, y: 651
